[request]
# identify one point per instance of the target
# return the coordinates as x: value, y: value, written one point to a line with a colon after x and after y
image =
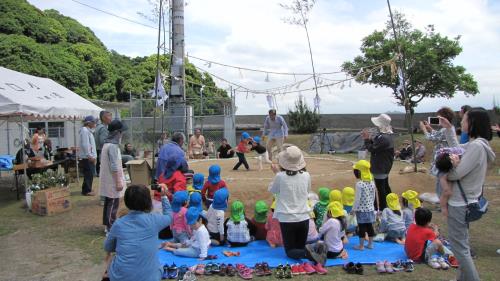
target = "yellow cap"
x: 273, y: 205
x: 311, y: 214
x: 393, y: 202
x: 348, y: 196
x: 336, y: 209
x: 336, y: 196
x: 412, y: 197
x: 364, y: 167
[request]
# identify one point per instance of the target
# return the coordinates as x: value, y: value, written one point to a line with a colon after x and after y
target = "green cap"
x: 237, y: 211
x: 261, y: 209
x: 324, y: 196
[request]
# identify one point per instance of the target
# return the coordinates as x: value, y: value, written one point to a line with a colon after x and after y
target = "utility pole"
x: 157, y: 83
x: 177, y: 90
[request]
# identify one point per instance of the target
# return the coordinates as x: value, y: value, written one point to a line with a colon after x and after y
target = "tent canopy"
x: 40, y: 98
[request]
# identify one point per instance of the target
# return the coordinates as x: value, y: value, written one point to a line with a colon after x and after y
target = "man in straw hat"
x: 88, y: 154
x: 381, y: 147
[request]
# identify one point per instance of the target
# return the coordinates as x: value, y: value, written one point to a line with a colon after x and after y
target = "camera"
x: 156, y: 187
x: 433, y: 120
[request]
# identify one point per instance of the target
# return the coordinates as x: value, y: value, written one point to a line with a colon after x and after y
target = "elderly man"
x: 276, y: 130
x: 196, y: 147
x: 171, y: 157
x: 88, y: 154
x: 100, y: 134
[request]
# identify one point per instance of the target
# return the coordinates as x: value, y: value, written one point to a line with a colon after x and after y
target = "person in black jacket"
x: 381, y: 147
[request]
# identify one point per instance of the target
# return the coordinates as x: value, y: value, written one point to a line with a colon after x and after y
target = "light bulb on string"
x: 360, y: 72
x: 247, y: 95
x: 241, y: 73
x: 369, y: 77
x: 342, y: 85
x: 267, y: 77
x: 381, y: 71
x: 294, y: 78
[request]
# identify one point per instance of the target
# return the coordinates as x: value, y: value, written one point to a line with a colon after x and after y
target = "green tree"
x: 428, y: 56
x: 302, y: 119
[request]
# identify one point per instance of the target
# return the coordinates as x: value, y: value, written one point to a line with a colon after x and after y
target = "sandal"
x: 230, y: 270
x: 388, y: 267
x: 208, y: 269
x: 200, y: 269
x: 265, y: 268
x: 359, y: 268
x: 244, y: 272
x: 380, y: 267
x: 349, y: 267
x: 223, y: 270
x: 280, y: 272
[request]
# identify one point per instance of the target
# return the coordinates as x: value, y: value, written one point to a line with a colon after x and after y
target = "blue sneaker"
x: 165, y: 272
x: 173, y: 272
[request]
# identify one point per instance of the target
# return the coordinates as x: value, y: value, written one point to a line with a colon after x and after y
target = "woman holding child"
x: 470, y: 173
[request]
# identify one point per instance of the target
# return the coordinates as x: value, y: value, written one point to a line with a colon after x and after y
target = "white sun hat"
x: 291, y: 159
x: 383, y: 122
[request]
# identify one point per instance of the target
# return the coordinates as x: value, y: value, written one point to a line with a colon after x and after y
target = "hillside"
x: 49, y: 44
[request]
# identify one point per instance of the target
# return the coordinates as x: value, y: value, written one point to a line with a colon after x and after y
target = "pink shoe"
x: 320, y: 269
x: 308, y: 268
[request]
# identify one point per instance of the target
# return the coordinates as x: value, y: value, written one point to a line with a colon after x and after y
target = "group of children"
x: 248, y: 144
x: 335, y: 215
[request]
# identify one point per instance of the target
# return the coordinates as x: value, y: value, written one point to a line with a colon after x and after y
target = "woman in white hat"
x: 381, y: 148
x: 291, y: 186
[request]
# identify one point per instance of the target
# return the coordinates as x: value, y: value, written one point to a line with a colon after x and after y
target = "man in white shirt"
x: 88, y: 154
x: 276, y: 130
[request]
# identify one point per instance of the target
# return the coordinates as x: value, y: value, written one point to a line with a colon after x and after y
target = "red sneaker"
x: 295, y: 269
x: 453, y: 261
x: 301, y: 269
x: 308, y: 268
x: 320, y: 269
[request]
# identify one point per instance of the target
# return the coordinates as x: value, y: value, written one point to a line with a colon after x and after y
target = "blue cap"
x: 192, y: 215
x: 220, y: 199
x: 89, y: 119
x: 245, y: 135
x: 256, y: 139
x: 198, y: 180
x: 195, y: 200
x: 179, y: 199
x: 214, y: 174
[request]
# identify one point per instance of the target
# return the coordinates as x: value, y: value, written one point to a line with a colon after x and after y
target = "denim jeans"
x: 189, y: 252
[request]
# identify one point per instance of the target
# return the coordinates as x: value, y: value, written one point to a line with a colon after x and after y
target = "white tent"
x: 35, y: 97
x: 27, y: 97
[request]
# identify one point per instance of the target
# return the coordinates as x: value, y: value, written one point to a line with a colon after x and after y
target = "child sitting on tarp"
x: 241, y: 149
x: 333, y: 230
x: 273, y: 236
x: 195, y: 201
x: 237, y: 226
x: 348, y: 200
x: 410, y: 204
x: 392, y: 222
x: 197, y: 246
x: 181, y: 231
x: 259, y: 220
x: 312, y: 234
x: 422, y: 243
x: 213, y: 183
x: 198, y: 181
x: 215, y: 216
x: 262, y: 154
x: 320, y: 208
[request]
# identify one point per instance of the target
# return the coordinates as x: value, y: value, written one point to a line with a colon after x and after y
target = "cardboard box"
x: 51, y: 201
x: 140, y: 171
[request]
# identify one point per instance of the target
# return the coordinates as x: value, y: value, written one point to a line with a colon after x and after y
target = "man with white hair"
x: 381, y: 148
x: 276, y: 130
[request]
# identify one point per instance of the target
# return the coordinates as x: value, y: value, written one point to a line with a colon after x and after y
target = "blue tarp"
x: 259, y: 251
x: 6, y: 162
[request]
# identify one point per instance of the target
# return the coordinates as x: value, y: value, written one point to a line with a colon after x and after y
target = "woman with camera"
x: 439, y: 139
x: 134, y: 237
x: 468, y: 174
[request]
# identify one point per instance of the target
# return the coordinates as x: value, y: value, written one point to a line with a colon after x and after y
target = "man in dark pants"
x: 88, y: 154
x: 100, y: 135
x: 381, y: 147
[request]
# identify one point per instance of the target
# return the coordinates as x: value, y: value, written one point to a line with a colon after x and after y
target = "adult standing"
x: 439, y: 139
x: 100, y: 134
x: 464, y: 137
x: 291, y: 185
x: 134, y: 237
x: 196, y: 147
x: 37, y: 141
x: 171, y: 157
x: 88, y: 154
x: 112, y: 179
x: 381, y: 148
x: 276, y: 130
x: 470, y: 173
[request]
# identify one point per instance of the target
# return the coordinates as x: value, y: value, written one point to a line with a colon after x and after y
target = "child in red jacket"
x: 213, y: 183
x: 241, y: 149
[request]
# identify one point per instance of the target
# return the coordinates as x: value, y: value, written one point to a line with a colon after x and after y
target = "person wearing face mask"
x: 88, y: 154
x: 111, y: 179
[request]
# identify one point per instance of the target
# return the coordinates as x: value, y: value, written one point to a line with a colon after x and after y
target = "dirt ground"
x: 69, y: 246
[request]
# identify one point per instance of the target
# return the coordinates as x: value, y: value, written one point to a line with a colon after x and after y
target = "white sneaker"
x: 444, y: 265
x: 433, y: 262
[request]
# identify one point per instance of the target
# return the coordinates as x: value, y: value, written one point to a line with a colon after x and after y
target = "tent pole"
x: 8, y: 137
x: 76, y: 151
x: 24, y: 153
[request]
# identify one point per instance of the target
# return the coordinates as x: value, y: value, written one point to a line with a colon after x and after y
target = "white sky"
x: 251, y: 34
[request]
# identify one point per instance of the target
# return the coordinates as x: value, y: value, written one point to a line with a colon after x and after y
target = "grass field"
x: 69, y: 246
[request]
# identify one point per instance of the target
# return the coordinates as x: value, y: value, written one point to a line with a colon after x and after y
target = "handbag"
x: 474, y: 211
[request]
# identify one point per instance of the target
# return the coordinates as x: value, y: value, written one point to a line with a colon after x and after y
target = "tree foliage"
x: 428, y: 56
x: 48, y: 44
x: 302, y: 119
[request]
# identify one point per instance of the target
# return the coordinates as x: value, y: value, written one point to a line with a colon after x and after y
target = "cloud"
x: 252, y: 34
